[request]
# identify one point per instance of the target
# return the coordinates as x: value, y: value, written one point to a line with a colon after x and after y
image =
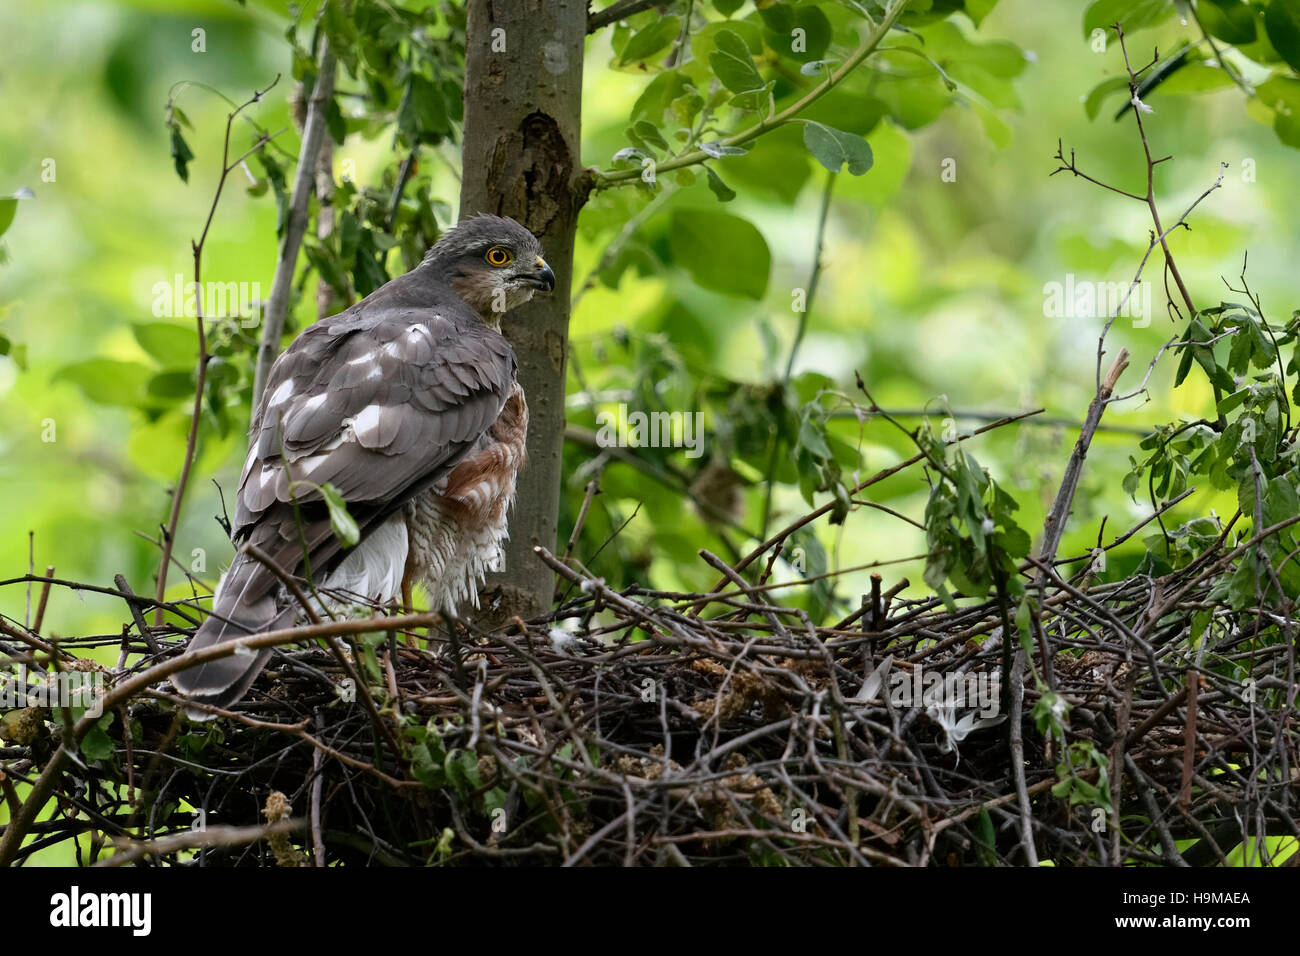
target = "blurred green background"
x: 933, y: 286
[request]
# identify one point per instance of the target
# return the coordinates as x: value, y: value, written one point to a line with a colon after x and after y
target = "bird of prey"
x: 407, y: 403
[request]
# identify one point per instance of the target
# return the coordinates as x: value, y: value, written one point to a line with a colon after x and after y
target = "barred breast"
x: 457, y: 529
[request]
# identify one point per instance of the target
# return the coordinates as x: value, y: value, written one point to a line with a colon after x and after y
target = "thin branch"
x: 1068, y: 166
x: 1054, y: 526
x: 607, y: 178
x: 304, y: 185
x: 129, y: 851
x: 620, y: 10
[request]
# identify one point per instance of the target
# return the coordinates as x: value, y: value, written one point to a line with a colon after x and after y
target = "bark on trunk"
x: 523, y: 99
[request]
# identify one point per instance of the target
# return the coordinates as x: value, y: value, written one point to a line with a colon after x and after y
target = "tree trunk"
x: 523, y: 102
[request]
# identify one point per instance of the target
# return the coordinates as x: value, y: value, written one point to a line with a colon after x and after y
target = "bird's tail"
x: 245, y: 603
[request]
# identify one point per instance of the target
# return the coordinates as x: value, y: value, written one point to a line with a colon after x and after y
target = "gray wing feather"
x: 372, y: 411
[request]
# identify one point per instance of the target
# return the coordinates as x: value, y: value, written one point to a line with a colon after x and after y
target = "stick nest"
x: 645, y: 728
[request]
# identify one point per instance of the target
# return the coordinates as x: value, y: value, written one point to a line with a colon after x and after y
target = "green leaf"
x: 1092, y: 105
x: 805, y: 38
x: 422, y: 115
x: 107, y: 381
x: 1196, y: 78
x: 1184, y: 363
x: 647, y: 42
x: 1280, y: 502
x: 1281, y: 94
x: 1282, y: 24
x: 425, y: 768
x: 891, y: 158
x: 648, y: 133
x: 1234, y: 400
x: 985, y: 837
x: 97, y: 744
x: 368, y: 272
x: 835, y: 148
x: 1232, y: 21
x: 1241, y: 589
x: 342, y: 523
x: 173, y: 346
x: 811, y: 438
x: 180, y: 153
x: 722, y: 252
x: 335, y: 123
x: 720, y: 189
x: 341, y: 28
x: 779, y: 17
x: 8, y: 207
x: 732, y: 63
x: 461, y: 768
x: 174, y: 383
x: 1134, y: 15
x: 325, y: 263
x: 977, y: 10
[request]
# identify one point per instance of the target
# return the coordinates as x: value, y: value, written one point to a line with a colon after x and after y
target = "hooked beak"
x: 543, y: 278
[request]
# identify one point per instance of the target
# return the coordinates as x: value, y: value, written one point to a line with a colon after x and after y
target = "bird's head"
x: 493, y: 263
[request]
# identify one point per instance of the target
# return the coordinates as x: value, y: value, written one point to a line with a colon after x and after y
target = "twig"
x: 1054, y: 526
x: 130, y: 851
x: 277, y: 305
x: 133, y: 606
x: 605, y: 179
x: 619, y: 10
x: 40, y: 604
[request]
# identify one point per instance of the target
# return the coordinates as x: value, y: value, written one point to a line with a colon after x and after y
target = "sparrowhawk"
x: 408, y: 404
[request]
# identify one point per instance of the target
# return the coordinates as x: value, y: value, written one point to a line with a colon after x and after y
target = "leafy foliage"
x: 1265, y: 32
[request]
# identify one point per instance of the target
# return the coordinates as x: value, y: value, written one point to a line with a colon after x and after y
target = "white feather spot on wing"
x: 362, y: 359
x: 282, y: 393
x: 343, y: 437
x: 310, y: 464
x: 366, y: 424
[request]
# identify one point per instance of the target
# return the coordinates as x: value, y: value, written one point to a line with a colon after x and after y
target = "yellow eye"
x: 498, y: 256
